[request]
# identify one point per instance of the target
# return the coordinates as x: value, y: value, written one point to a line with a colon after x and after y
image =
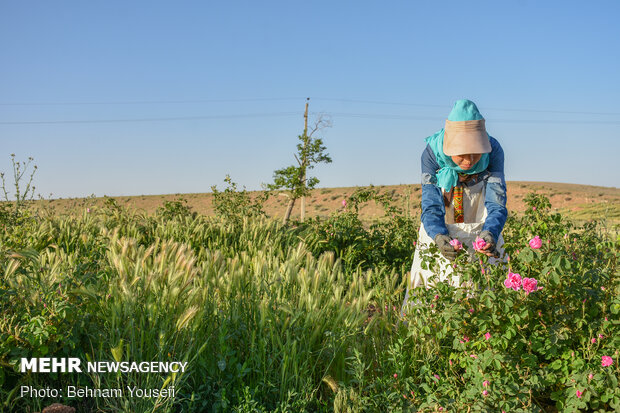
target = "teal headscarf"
x: 448, y: 174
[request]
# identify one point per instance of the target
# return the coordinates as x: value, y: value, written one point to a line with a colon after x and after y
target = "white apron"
x: 474, y: 215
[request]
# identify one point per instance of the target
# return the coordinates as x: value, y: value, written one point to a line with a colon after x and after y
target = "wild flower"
x: 593, y: 341
x: 485, y: 383
x: 579, y: 393
x: 456, y: 243
x: 485, y: 392
x: 479, y: 244
x: 536, y: 242
x: 530, y: 285
x: 607, y: 361
x: 513, y: 281
x: 487, y: 336
x: 344, y: 202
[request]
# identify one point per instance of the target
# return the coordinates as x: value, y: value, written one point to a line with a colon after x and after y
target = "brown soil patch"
x: 592, y: 201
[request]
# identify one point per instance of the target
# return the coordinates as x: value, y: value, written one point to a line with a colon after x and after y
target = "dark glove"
x: 443, y: 243
x: 491, y: 243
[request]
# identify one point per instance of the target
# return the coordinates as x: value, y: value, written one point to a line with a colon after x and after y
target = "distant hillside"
x: 580, y: 201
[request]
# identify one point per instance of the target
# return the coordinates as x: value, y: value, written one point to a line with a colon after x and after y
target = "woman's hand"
x: 447, y: 249
x: 489, y: 249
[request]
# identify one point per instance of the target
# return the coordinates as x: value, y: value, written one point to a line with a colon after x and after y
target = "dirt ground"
x: 580, y: 201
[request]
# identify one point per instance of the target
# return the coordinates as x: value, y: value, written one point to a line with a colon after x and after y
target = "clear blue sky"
x: 544, y: 74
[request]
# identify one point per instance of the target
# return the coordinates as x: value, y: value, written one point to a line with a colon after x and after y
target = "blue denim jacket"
x: 433, y: 209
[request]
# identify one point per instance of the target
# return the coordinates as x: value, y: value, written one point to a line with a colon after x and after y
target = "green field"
x: 305, y: 316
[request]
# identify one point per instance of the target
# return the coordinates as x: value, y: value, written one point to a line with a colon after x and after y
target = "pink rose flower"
x: 593, y: 341
x: 487, y: 336
x: 513, y: 281
x: 485, y: 392
x: 485, y: 383
x: 607, y: 361
x: 536, y: 242
x: 456, y: 243
x: 344, y: 202
x: 479, y: 244
x: 590, y: 376
x: 395, y: 375
x: 530, y: 285
x: 579, y: 393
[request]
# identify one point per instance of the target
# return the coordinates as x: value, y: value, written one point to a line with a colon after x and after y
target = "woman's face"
x: 465, y: 162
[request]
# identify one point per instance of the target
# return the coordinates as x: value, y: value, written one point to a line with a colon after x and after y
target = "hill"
x: 582, y: 202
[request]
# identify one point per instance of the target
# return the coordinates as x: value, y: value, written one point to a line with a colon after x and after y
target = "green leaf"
x: 117, y: 352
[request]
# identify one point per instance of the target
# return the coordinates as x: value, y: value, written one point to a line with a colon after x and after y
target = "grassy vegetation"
x: 305, y: 317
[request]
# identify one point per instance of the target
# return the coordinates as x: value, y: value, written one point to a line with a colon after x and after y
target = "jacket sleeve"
x: 495, y: 196
x: 433, y: 209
